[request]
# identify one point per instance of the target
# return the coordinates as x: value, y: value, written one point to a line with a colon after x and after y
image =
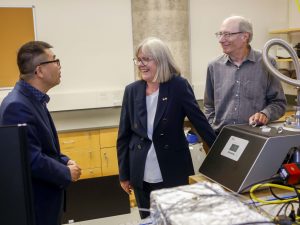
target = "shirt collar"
x: 40, y: 96
x: 250, y: 57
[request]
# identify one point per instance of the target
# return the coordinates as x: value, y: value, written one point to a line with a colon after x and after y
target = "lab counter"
x: 86, y: 119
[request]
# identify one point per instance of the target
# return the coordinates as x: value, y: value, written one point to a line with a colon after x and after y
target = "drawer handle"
x: 106, y: 159
x: 69, y: 142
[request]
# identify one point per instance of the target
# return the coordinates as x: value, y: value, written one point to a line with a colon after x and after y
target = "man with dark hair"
x: 239, y: 89
x: 51, y: 171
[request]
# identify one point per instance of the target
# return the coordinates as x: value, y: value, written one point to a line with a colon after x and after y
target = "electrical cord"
x: 257, y: 186
x: 276, y: 196
x: 292, y: 218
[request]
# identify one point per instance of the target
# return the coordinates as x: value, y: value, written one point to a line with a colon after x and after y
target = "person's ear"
x: 38, y: 71
x: 246, y: 36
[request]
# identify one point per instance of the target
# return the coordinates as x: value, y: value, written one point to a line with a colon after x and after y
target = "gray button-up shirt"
x: 234, y: 93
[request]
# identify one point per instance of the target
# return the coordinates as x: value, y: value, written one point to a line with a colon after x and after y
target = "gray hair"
x: 159, y: 51
x: 244, y: 25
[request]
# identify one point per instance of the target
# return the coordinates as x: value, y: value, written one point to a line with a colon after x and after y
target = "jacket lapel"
x: 162, y: 102
x: 140, y: 101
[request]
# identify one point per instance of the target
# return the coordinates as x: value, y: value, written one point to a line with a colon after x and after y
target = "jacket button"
x: 142, y: 139
x: 166, y: 147
x: 162, y: 134
x: 139, y: 146
x: 164, y: 119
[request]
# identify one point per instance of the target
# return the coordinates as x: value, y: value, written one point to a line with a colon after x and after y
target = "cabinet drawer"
x: 109, y: 161
x: 79, y: 140
x: 108, y: 137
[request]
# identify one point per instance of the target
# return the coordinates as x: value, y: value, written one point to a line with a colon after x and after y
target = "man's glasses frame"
x: 226, y: 35
x: 57, y: 61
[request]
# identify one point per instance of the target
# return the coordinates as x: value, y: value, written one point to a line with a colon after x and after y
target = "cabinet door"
x: 95, y: 159
x: 108, y: 137
x: 109, y: 161
x: 81, y: 157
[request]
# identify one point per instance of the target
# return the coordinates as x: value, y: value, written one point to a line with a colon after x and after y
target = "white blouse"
x: 152, y: 173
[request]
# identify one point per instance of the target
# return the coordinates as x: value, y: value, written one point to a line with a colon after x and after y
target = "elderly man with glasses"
x: 239, y: 89
x: 51, y: 171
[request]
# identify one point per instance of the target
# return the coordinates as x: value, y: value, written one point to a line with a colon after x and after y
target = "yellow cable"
x: 254, y: 187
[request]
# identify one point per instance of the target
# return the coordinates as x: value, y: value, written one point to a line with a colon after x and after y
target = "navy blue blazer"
x: 176, y: 100
x: 49, y: 172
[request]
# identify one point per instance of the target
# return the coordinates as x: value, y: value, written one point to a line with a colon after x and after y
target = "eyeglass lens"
x: 144, y: 61
x: 226, y: 34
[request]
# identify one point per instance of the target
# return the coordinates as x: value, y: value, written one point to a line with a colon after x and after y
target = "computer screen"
x: 16, y: 204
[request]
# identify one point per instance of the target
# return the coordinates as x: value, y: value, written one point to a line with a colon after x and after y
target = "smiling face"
x: 235, y: 43
x: 147, y: 67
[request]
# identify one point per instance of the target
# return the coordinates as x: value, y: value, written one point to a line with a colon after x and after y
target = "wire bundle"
x: 291, y: 215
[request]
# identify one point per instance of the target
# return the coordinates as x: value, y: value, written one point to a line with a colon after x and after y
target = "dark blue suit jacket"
x: 49, y: 172
x: 176, y: 100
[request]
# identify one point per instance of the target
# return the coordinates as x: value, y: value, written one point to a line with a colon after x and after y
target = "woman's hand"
x: 126, y: 186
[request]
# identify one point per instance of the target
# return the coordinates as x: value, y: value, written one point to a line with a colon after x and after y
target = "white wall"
x: 206, y: 17
x: 93, y: 40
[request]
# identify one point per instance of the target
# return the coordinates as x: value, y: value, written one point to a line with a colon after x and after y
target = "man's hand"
x: 75, y: 170
x: 126, y: 186
x: 71, y: 162
x: 258, y: 118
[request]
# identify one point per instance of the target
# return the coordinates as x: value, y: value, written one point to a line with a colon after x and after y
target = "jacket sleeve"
x: 123, y: 140
x: 195, y: 115
x: 43, y: 167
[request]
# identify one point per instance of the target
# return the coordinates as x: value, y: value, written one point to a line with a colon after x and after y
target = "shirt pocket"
x: 252, y: 90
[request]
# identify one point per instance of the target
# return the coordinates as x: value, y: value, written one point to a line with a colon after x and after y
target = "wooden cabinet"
x: 108, y: 138
x: 94, y: 150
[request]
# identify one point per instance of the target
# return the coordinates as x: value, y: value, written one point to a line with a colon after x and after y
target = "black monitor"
x: 16, y: 204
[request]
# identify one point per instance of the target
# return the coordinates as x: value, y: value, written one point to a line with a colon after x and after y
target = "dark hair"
x: 27, y: 57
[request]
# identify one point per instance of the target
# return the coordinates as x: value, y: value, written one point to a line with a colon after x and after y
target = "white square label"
x: 234, y: 148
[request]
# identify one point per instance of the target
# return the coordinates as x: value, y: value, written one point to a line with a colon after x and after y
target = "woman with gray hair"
x: 153, y: 152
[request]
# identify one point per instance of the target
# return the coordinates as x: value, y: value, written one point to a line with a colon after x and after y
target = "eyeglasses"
x: 57, y: 61
x: 144, y: 61
x: 226, y: 35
